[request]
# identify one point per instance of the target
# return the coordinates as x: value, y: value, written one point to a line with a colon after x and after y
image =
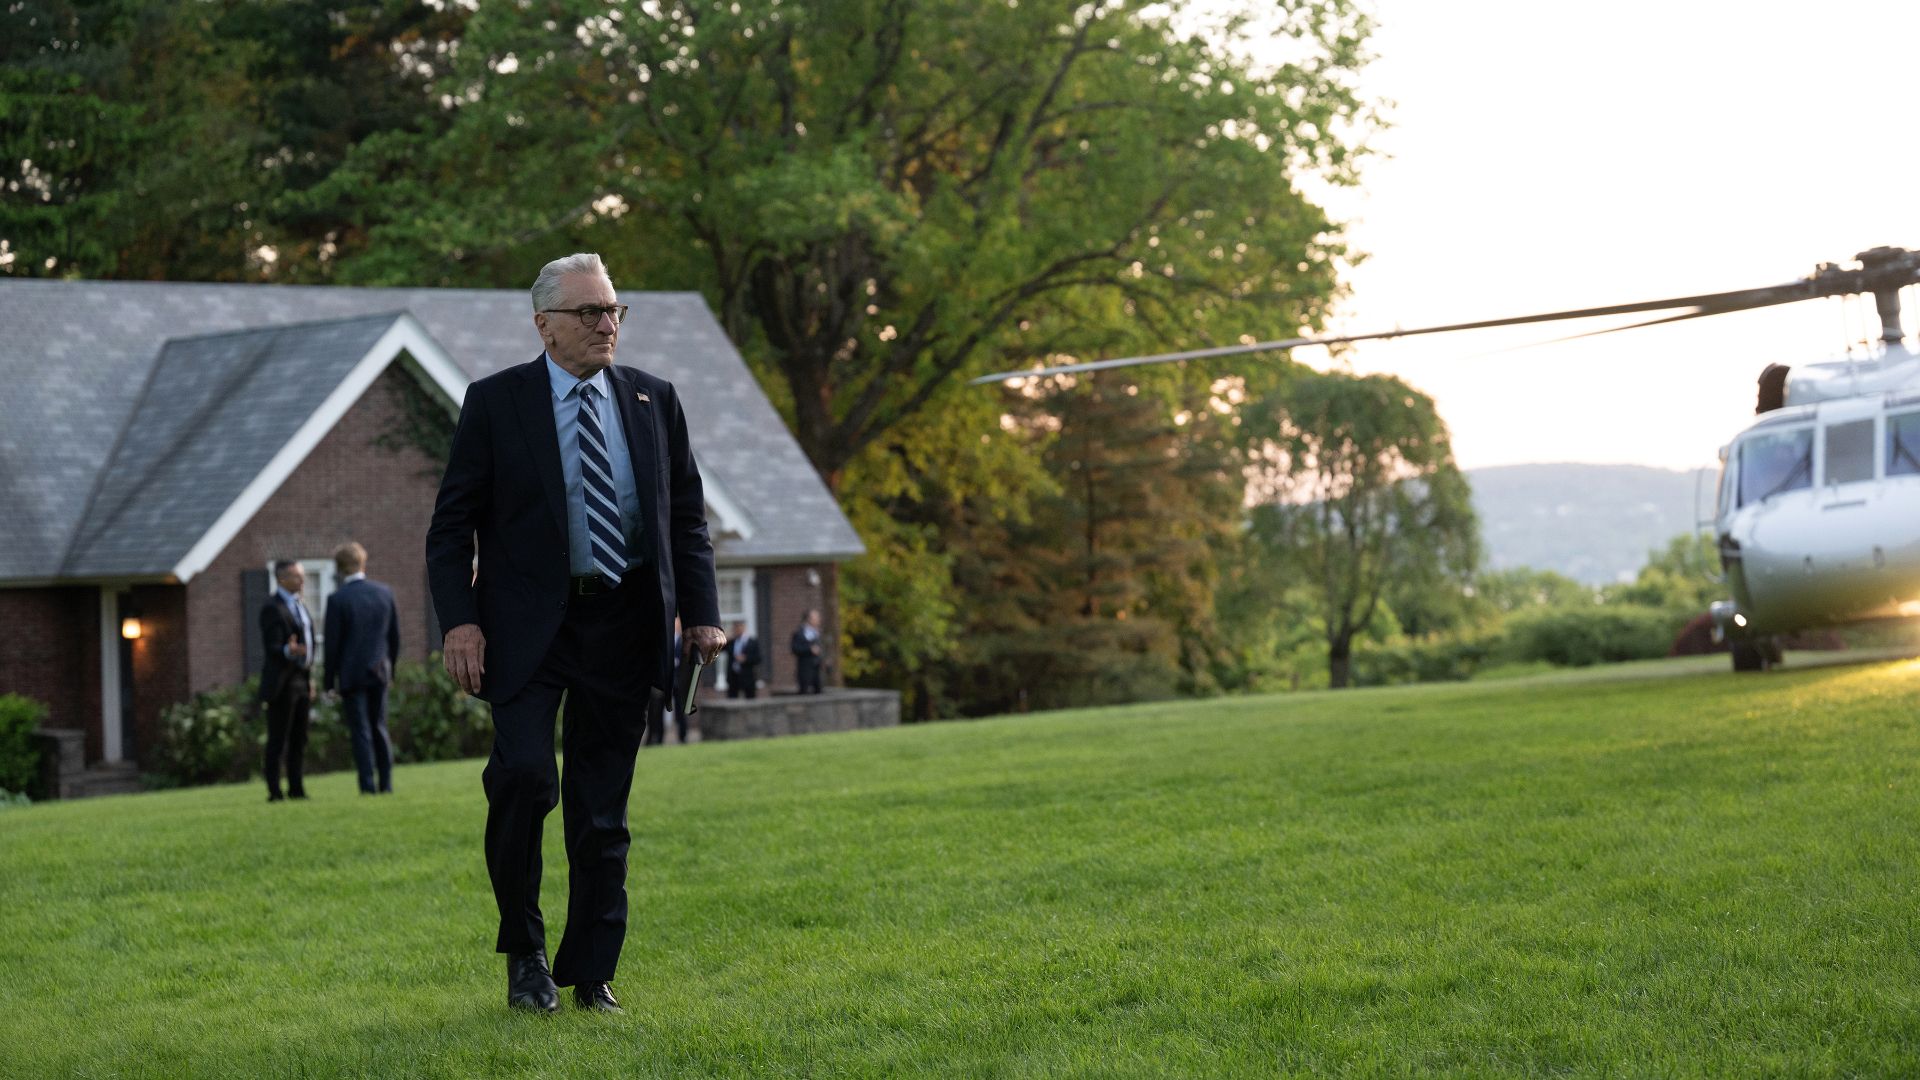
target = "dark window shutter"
x: 254, y: 591
x: 773, y: 648
x: 763, y: 610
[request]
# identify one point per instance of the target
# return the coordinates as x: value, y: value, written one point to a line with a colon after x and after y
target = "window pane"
x: 1775, y: 462
x: 1903, y: 445
x: 1850, y: 452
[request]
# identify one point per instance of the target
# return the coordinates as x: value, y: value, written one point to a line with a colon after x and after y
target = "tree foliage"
x: 880, y: 195
x: 1522, y: 587
x: 152, y: 139
x: 1357, y: 493
x: 1104, y: 589
x: 1682, y: 577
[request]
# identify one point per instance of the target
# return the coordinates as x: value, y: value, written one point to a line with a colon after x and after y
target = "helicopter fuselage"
x: 1818, y: 512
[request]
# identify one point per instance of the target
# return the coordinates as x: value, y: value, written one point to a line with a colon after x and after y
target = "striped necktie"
x: 604, y: 538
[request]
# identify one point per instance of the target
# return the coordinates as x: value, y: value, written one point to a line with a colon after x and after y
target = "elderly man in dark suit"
x: 576, y: 480
x: 286, y: 678
x: 363, y: 644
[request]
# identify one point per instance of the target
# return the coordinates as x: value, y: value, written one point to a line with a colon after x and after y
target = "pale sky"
x: 1550, y: 155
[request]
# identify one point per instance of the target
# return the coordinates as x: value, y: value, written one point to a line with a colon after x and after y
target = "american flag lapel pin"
x: 643, y: 399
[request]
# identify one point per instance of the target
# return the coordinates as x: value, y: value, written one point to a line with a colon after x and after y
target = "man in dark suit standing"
x: 743, y: 664
x: 577, y: 481
x: 286, y: 678
x: 363, y: 644
x: 806, y: 652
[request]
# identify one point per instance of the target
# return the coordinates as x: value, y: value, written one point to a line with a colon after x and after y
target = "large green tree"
x: 1104, y: 589
x: 154, y: 139
x: 882, y: 195
x: 1357, y: 494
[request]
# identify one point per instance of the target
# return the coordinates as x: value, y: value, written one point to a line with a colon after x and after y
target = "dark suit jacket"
x: 803, y: 648
x: 278, y: 623
x: 746, y: 666
x: 503, y: 486
x: 363, y: 636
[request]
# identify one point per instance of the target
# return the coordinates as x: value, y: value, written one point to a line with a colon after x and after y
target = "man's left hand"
x: 707, y: 641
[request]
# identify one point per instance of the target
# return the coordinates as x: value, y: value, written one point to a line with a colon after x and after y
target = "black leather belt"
x: 589, y: 585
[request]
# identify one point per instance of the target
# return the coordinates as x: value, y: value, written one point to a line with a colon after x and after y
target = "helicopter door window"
x: 1775, y: 462
x: 1849, y: 452
x: 1903, y: 445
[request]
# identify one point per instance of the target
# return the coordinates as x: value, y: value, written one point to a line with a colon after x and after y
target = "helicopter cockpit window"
x: 1774, y: 462
x: 1903, y: 445
x: 1849, y: 452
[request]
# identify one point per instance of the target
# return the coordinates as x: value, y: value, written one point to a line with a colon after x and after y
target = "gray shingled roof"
x: 79, y: 360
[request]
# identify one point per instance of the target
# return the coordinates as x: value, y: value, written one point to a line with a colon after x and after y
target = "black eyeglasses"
x: 590, y: 316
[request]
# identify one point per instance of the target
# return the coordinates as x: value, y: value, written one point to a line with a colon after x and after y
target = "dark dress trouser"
x: 364, y: 711
x: 287, y: 733
x: 596, y: 659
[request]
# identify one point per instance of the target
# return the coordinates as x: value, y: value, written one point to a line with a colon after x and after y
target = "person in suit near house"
x: 286, y: 678
x: 363, y: 644
x: 577, y: 481
x: 806, y: 652
x: 743, y: 664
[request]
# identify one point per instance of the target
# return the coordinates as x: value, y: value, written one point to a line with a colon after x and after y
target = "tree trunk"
x: 1339, y: 663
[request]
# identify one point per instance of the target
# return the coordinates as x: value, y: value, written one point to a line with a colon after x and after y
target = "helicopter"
x: 1817, y: 512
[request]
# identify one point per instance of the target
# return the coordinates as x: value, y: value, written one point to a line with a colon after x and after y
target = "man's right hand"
x: 296, y: 649
x: 465, y: 654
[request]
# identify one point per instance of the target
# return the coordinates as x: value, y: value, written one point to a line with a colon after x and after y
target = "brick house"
x: 161, y: 444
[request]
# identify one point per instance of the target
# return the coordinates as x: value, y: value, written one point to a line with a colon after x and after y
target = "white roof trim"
x: 405, y: 335
x: 727, y: 515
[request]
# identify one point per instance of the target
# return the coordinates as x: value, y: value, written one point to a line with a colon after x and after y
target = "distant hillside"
x: 1593, y: 523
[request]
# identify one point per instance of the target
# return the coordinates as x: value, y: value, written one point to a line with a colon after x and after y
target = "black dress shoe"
x: 597, y: 996
x: 530, y: 984
x: 274, y: 796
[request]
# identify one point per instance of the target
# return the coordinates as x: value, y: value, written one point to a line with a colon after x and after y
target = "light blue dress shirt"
x: 306, y: 626
x: 566, y: 421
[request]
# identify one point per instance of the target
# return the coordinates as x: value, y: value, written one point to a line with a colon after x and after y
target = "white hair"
x: 546, y: 287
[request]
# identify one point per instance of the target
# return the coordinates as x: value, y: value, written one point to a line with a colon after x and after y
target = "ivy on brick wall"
x: 422, y: 423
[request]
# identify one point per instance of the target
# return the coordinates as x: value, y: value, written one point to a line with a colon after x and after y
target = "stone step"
x: 119, y: 778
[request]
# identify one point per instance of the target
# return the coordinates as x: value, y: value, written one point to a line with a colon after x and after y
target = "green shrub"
x: 431, y: 718
x: 208, y: 739
x: 329, y: 747
x: 1446, y: 659
x: 20, y: 717
x: 11, y: 799
x: 221, y: 735
x: 1601, y: 634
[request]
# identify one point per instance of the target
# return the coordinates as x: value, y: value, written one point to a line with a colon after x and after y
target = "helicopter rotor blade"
x: 1881, y: 269
x: 1683, y: 317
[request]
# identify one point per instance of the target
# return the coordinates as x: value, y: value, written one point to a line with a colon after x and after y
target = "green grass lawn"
x: 1659, y: 871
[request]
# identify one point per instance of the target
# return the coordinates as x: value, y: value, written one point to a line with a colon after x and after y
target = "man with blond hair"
x: 575, y: 480
x: 363, y: 644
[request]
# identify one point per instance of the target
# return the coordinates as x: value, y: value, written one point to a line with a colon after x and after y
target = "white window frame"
x: 320, y: 585
x: 727, y: 618
x: 111, y: 748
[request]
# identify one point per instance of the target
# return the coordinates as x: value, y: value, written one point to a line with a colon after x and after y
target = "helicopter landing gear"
x: 1754, y: 654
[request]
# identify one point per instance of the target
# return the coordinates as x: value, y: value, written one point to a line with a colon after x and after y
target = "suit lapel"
x: 636, y: 418
x: 543, y: 439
